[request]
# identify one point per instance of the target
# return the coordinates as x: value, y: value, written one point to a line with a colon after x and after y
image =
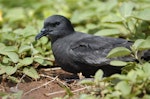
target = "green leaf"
x: 144, y: 14
x: 118, y: 63
x: 15, y: 14
x: 44, y: 40
x: 14, y: 79
x: 107, y: 32
x: 83, y: 16
x: 13, y: 56
x: 5, y: 60
x: 29, y: 31
x: 24, y: 48
x: 27, y: 61
x: 17, y: 95
x: 39, y: 60
x: 2, y: 50
x: 10, y: 49
x: 146, y: 68
x: 34, y: 51
x: 126, y: 9
x: 112, y: 18
x: 98, y: 76
x: 86, y: 82
x: 137, y: 43
x: 2, y: 46
x: 121, y: 77
x: 118, y: 52
x: 124, y: 87
x: 132, y: 76
x: 10, y: 70
x: 145, y: 44
x: 2, y: 69
x: 87, y: 96
x: 31, y: 72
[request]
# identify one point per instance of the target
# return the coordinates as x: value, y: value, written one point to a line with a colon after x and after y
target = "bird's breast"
x: 60, y: 50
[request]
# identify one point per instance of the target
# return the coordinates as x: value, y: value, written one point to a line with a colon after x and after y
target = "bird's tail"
x: 146, y: 55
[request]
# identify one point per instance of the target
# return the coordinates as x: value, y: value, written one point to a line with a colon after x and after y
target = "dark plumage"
x: 78, y: 52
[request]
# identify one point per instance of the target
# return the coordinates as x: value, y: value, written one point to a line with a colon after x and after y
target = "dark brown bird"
x: 79, y: 52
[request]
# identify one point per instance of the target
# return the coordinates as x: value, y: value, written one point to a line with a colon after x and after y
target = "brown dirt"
x: 27, y: 84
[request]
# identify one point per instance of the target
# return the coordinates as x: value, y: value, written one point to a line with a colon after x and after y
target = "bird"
x: 78, y: 52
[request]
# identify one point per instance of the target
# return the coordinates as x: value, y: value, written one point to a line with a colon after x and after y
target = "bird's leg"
x: 80, y: 75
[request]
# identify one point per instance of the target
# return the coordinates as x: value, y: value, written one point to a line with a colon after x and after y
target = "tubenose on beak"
x: 42, y: 33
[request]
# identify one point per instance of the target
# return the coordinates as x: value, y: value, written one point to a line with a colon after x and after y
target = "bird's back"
x: 81, y: 52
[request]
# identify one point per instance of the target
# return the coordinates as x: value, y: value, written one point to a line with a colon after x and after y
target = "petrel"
x: 80, y: 52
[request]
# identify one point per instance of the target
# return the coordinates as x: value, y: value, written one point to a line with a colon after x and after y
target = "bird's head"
x: 55, y: 27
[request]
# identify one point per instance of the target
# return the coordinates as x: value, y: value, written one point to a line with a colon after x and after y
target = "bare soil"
x: 50, y: 85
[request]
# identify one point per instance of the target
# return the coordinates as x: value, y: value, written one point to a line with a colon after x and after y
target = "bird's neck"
x: 65, y: 34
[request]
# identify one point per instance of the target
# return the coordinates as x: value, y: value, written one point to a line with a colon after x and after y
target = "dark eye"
x: 52, y: 24
x: 56, y: 23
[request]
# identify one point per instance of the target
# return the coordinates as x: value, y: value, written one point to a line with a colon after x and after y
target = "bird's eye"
x: 57, y: 23
x: 54, y: 24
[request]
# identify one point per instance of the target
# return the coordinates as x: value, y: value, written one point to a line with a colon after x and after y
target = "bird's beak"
x: 42, y: 33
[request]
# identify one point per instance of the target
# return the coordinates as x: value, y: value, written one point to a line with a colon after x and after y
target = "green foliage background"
x: 21, y: 20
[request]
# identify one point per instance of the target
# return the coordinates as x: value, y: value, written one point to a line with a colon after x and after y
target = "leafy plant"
x: 20, y: 54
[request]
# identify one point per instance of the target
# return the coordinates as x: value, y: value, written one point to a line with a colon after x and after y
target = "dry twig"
x: 41, y: 86
x: 49, y: 69
x: 60, y: 92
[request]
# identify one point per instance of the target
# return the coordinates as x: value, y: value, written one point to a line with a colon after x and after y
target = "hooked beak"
x: 43, y: 32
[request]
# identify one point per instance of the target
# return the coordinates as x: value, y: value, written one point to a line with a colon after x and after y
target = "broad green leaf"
x: 87, y: 96
x: 10, y: 70
x: 144, y: 14
x: 121, y: 77
x: 44, y: 40
x: 126, y: 9
x: 24, y: 48
x: 124, y: 87
x: 6, y: 29
x: 2, y: 50
x: 83, y: 16
x: 91, y: 26
x: 14, y: 79
x: 118, y: 52
x: 34, y: 51
x: 98, y: 76
x: 118, y: 63
x: 27, y: 61
x: 18, y: 95
x: 146, y: 68
x: 39, y: 60
x: 112, y: 18
x: 10, y: 48
x: 15, y: 14
x: 2, y: 69
x: 86, y: 82
x: 13, y: 56
x: 146, y: 96
x: 107, y: 32
x: 31, y: 72
x: 145, y: 45
x: 2, y: 46
x: 18, y: 32
x: 132, y: 76
x: 137, y: 43
x: 110, y: 4
x: 5, y: 59
x: 29, y: 31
